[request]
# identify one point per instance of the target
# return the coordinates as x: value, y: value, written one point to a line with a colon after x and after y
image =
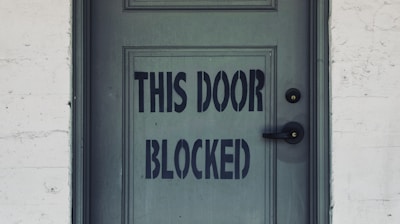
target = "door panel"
x: 192, y: 167
x: 179, y: 102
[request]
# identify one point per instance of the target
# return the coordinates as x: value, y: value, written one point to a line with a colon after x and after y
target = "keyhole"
x: 293, y: 95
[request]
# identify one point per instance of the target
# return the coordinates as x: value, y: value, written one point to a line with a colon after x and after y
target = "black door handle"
x: 292, y: 133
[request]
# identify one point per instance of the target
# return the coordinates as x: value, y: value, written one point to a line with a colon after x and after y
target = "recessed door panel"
x: 185, y: 162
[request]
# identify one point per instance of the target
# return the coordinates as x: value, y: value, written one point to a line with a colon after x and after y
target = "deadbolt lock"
x: 293, y: 95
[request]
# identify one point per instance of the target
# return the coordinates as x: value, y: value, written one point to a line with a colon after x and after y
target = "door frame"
x: 319, y: 112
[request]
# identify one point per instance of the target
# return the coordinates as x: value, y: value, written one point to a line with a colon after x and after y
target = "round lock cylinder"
x: 293, y: 95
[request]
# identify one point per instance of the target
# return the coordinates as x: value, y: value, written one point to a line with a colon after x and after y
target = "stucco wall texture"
x: 35, y: 89
x: 365, y: 74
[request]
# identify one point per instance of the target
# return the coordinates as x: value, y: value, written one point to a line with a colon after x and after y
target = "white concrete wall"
x: 35, y: 87
x: 35, y: 77
x: 365, y: 57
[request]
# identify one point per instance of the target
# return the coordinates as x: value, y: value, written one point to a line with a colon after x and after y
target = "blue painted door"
x: 181, y: 94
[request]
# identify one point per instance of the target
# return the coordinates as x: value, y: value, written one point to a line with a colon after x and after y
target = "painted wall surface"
x: 35, y: 87
x: 365, y: 74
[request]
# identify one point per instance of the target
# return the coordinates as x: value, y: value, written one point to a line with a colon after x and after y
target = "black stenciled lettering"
x: 157, y: 91
x: 251, y: 89
x: 261, y: 80
x: 226, y: 158
x: 165, y: 173
x: 246, y: 166
x: 141, y: 76
x: 239, y: 106
x: 182, y: 144
x: 255, y: 91
x: 237, y: 158
x: 152, y: 157
x: 210, y: 159
x: 203, y: 105
x: 148, y: 159
x: 221, y: 106
x: 169, y: 91
x: 231, y: 151
x: 197, y: 145
x: 181, y: 76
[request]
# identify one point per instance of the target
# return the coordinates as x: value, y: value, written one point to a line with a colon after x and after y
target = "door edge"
x: 319, y: 112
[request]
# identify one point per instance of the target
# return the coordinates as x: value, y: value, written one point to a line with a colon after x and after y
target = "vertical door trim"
x: 319, y: 112
x: 81, y: 110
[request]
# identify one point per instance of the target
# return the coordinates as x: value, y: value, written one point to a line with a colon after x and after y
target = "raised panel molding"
x: 200, y: 4
x: 140, y: 59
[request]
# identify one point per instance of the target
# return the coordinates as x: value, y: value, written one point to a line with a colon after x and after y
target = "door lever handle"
x: 292, y: 133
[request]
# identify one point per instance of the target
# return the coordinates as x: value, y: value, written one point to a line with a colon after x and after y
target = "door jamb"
x: 80, y: 110
x: 319, y: 112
